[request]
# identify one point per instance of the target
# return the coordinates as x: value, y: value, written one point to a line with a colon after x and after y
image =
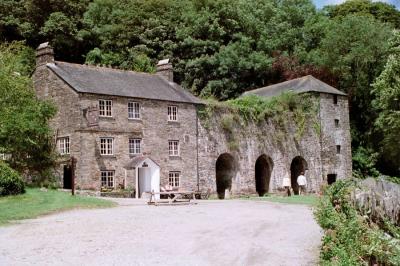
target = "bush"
x: 10, y: 181
x: 352, y: 239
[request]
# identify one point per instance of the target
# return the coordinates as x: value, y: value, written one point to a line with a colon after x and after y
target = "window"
x: 172, y: 113
x: 106, y: 146
x: 336, y: 123
x: 105, y: 108
x: 107, y: 179
x: 63, y: 145
x: 134, y: 146
x: 334, y: 99
x: 133, y: 110
x: 173, y: 147
x: 337, y: 149
x: 173, y: 179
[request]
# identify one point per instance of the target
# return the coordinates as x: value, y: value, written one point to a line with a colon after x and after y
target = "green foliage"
x: 364, y: 161
x: 24, y: 130
x: 379, y: 10
x: 10, y: 181
x: 352, y: 239
x: 387, y: 102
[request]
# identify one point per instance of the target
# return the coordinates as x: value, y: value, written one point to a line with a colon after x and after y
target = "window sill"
x: 175, y: 157
x: 106, y: 117
x: 108, y: 156
x: 133, y: 155
x: 173, y: 122
x: 135, y: 120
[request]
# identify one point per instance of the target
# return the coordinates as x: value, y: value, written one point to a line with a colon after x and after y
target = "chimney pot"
x: 44, y: 54
x: 165, y: 69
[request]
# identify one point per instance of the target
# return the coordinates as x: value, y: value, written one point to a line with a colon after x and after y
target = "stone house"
x: 137, y: 130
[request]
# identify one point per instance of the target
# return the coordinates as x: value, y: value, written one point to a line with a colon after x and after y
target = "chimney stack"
x: 44, y: 54
x: 165, y: 69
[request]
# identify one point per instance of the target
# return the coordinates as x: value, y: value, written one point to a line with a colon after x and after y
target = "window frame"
x: 335, y: 99
x: 106, y: 147
x: 132, y: 110
x: 135, y: 149
x: 174, y: 179
x: 109, y: 175
x: 103, y: 112
x: 171, y: 148
x: 337, y: 123
x: 64, y: 145
x: 172, y: 113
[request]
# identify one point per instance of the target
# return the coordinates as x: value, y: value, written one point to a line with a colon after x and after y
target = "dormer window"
x: 172, y: 113
x: 133, y: 110
x: 105, y: 108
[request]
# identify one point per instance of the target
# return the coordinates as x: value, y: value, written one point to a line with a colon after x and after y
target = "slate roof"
x: 108, y: 81
x: 299, y: 85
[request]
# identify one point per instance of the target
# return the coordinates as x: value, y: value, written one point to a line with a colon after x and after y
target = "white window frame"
x: 63, y: 145
x: 173, y: 148
x: 174, y: 179
x: 107, y: 146
x: 135, y: 146
x: 105, y: 108
x: 107, y: 178
x: 172, y: 113
x: 134, y: 110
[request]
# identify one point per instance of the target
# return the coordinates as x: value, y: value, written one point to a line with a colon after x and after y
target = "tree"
x: 24, y: 130
x: 381, y: 11
x: 386, y: 89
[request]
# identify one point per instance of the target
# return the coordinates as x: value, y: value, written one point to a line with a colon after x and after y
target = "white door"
x: 144, y: 180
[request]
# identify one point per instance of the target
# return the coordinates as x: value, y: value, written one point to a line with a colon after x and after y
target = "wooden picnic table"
x: 174, y: 197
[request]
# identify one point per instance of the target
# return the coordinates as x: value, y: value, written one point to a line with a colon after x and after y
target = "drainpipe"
x: 197, y: 150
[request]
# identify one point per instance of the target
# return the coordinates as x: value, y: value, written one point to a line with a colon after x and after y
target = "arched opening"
x: 263, y: 169
x: 298, y: 166
x: 225, y: 171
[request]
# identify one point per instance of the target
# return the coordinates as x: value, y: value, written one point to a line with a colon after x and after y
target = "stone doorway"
x: 298, y: 165
x: 263, y: 169
x: 67, y: 177
x: 225, y: 171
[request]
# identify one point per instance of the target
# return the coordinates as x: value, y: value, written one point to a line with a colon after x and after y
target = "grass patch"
x: 36, y: 202
x: 311, y: 200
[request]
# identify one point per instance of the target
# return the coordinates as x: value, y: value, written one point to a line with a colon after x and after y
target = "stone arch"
x: 263, y: 169
x: 225, y: 171
x: 298, y: 165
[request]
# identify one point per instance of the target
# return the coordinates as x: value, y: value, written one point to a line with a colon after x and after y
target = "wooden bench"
x: 173, y: 197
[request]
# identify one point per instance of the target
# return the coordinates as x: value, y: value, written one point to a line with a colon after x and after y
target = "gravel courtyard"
x: 230, y: 232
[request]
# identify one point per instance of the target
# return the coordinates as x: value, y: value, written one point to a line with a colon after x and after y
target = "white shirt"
x: 301, y: 180
x: 286, y: 182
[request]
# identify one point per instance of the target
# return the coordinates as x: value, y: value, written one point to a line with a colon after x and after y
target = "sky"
x: 322, y: 3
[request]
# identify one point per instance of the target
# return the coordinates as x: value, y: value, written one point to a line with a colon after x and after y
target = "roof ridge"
x: 104, y: 68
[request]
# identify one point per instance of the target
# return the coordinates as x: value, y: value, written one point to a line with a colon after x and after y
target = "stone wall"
x: 317, y: 146
x: 154, y: 130
x: 379, y: 199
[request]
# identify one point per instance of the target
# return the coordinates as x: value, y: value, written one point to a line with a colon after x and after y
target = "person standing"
x: 286, y: 185
x: 302, y: 182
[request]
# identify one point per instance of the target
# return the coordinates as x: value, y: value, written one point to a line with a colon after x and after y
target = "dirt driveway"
x: 211, y: 233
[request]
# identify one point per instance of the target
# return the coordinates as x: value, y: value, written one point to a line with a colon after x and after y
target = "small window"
x: 336, y: 123
x: 337, y: 149
x: 173, y: 147
x: 105, y: 108
x: 63, y: 145
x: 133, y: 110
x: 172, y: 113
x: 107, y: 179
x: 335, y: 101
x: 106, y: 146
x: 135, y: 146
x: 174, y: 179
x: 331, y: 179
